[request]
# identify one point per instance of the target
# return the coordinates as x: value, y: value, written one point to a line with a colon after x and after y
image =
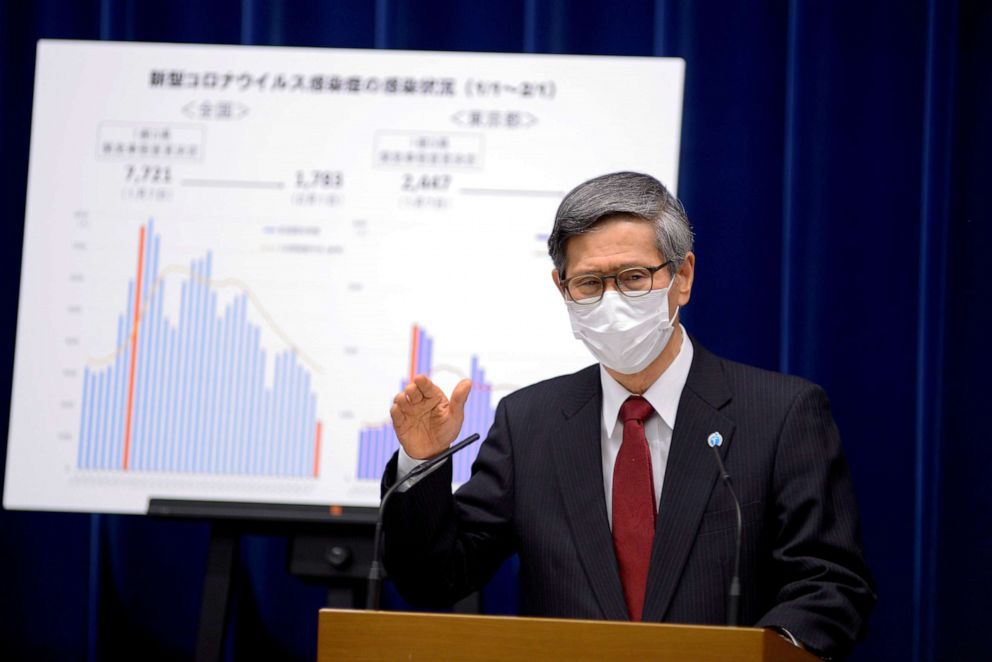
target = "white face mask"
x: 624, y: 333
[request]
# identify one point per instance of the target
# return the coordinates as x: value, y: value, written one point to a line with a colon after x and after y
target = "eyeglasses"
x: 588, y: 289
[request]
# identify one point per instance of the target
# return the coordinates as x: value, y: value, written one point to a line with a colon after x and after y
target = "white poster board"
x: 235, y: 256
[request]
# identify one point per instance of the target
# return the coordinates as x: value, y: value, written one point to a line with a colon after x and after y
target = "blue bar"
x: 223, y: 419
x: 380, y: 448
x: 289, y: 407
x: 223, y: 334
x: 278, y: 417
x: 210, y: 419
x: 267, y: 398
x: 305, y: 430
x: 231, y: 358
x: 111, y: 419
x: 247, y: 394
x: 86, y: 421
x: 140, y: 377
x: 202, y: 363
x: 204, y: 382
x: 186, y: 374
x: 237, y: 410
x: 363, y: 453
x: 241, y: 394
x: 373, y: 449
x: 108, y: 444
x: 81, y: 441
x: 199, y: 377
x: 100, y: 437
x: 211, y: 385
x: 245, y: 389
x: 258, y: 384
x: 195, y: 384
x: 179, y: 403
x: 139, y: 436
x: 373, y: 455
x: 380, y: 443
x: 121, y: 371
x: 116, y: 399
x: 422, y: 352
x: 381, y: 453
x: 285, y: 393
x: 311, y: 418
x: 156, y: 395
x: 232, y: 393
x: 140, y: 451
x: 366, y: 470
x: 229, y: 386
x: 164, y: 441
x: 193, y: 345
x: 169, y: 422
x: 295, y: 420
x: 286, y: 416
x: 209, y: 377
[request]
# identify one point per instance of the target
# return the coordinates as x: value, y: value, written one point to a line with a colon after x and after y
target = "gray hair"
x: 623, y: 194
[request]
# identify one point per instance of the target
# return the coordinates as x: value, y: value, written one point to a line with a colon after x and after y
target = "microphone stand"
x: 734, y: 594
x: 377, y: 572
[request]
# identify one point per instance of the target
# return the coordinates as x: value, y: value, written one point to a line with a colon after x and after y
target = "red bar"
x: 134, y: 350
x: 316, y: 453
x: 414, y: 350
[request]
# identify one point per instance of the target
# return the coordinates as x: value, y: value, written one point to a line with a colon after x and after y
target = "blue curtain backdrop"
x: 835, y: 162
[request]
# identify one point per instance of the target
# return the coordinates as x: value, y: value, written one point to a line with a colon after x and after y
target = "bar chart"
x: 377, y: 443
x: 191, y: 396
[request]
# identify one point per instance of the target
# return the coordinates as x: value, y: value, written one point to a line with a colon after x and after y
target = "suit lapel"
x: 690, y: 476
x: 579, y: 468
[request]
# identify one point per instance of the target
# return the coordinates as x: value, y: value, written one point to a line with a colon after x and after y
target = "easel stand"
x: 327, y: 547
x: 216, y: 600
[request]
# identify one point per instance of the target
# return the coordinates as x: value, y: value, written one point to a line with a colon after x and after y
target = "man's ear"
x: 557, y: 279
x: 687, y: 271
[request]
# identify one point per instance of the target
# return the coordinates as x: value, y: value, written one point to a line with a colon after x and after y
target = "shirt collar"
x: 664, y: 394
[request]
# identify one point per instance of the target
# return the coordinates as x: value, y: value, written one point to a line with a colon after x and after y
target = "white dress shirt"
x: 664, y: 396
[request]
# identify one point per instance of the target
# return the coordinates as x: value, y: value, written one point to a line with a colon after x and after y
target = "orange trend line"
x: 316, y: 453
x: 414, y: 350
x: 134, y: 350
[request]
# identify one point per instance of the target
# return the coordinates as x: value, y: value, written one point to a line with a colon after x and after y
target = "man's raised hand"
x: 425, y: 420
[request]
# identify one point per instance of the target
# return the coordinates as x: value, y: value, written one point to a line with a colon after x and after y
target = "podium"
x: 378, y: 635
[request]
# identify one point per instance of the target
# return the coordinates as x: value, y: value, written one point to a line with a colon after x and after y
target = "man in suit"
x: 604, y: 481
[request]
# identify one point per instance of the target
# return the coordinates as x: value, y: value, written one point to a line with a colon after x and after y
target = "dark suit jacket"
x: 537, y: 490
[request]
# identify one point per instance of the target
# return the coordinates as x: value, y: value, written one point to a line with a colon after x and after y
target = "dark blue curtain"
x: 835, y: 163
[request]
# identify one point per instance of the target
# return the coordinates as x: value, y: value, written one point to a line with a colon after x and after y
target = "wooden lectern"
x: 379, y: 635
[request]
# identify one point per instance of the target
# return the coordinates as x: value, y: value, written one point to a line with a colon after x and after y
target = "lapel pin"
x: 715, y: 439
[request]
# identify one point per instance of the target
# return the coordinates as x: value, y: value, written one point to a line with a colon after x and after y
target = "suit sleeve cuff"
x: 405, y: 464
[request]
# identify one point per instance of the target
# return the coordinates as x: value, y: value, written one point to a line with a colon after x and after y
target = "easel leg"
x: 216, y: 593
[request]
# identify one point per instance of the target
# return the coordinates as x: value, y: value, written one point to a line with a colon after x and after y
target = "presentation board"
x: 234, y: 257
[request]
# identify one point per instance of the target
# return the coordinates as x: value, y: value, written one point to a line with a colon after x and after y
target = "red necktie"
x: 633, y: 505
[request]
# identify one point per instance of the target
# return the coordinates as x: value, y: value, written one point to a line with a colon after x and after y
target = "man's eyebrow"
x: 612, y: 269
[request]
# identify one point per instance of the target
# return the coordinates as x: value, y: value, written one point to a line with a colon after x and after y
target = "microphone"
x: 715, y: 440
x: 376, y: 572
